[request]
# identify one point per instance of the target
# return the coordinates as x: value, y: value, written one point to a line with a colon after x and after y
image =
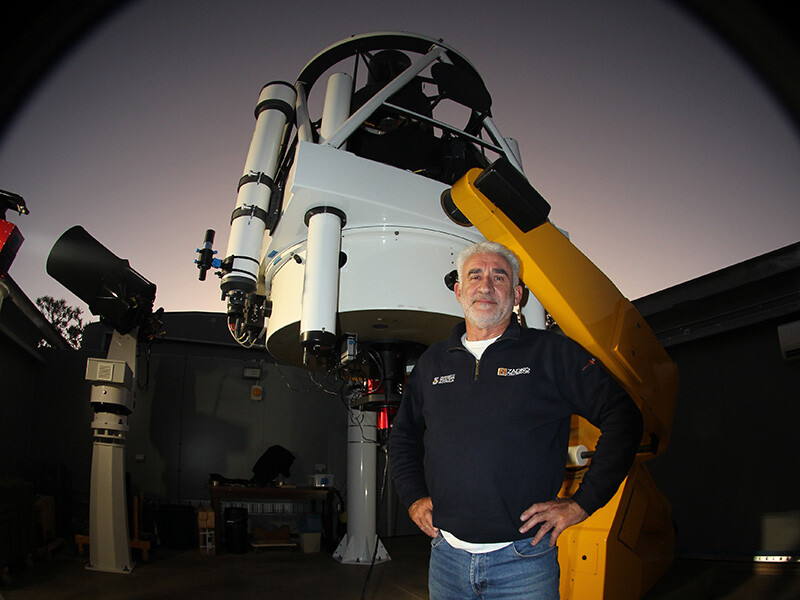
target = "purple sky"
x: 663, y: 157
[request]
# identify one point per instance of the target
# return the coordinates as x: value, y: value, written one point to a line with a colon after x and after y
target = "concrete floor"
x: 274, y: 574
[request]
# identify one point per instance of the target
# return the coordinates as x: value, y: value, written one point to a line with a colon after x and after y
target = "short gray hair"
x: 488, y: 248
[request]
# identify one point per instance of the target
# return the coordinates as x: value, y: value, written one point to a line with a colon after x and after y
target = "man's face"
x: 487, y: 293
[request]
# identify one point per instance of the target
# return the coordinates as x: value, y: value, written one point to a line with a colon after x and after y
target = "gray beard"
x: 483, y: 320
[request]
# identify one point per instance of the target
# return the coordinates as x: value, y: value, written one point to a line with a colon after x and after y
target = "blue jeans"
x: 517, y: 572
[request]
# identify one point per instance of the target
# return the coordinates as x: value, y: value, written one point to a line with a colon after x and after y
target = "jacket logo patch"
x: 504, y: 372
x: 444, y: 379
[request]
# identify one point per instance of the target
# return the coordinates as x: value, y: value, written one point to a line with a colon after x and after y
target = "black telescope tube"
x: 113, y: 290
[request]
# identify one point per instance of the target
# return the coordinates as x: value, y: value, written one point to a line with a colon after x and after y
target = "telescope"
x: 123, y: 300
x: 114, y: 291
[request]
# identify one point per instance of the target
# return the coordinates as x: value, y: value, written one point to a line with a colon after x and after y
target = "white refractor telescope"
x: 339, y: 247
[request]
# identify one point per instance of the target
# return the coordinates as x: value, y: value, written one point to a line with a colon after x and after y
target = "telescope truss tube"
x: 274, y: 111
x: 336, y: 109
x: 320, y: 297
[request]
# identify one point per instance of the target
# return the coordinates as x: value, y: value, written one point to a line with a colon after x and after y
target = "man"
x: 478, y: 448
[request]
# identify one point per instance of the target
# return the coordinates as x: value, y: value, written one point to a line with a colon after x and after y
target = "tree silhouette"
x: 67, y: 319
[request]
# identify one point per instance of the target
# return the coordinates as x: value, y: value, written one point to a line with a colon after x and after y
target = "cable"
x: 378, y: 362
x: 377, y: 537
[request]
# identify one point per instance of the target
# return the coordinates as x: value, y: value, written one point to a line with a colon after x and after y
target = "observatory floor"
x: 267, y: 574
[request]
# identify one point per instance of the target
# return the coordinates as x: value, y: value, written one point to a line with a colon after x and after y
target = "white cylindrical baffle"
x: 321, y: 279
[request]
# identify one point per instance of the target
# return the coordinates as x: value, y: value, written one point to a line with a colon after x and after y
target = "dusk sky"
x: 659, y: 151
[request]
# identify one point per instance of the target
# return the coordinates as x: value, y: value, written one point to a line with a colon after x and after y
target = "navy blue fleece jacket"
x: 487, y: 439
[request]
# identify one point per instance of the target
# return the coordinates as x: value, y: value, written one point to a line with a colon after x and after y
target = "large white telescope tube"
x: 256, y: 187
x: 320, y: 299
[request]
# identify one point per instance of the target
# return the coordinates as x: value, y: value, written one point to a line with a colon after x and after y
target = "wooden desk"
x: 235, y: 493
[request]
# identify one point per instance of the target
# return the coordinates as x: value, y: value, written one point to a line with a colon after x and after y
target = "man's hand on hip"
x: 555, y: 516
x: 421, y: 512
